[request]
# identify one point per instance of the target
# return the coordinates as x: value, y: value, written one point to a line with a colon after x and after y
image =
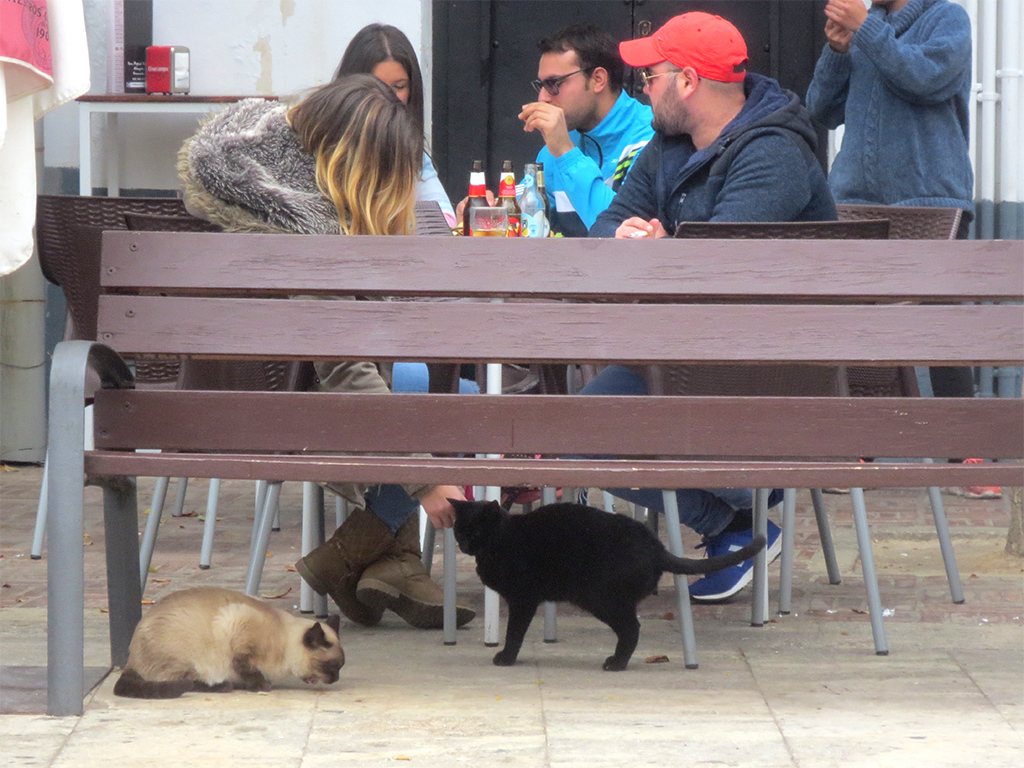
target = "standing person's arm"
x: 826, y: 95
x: 926, y: 72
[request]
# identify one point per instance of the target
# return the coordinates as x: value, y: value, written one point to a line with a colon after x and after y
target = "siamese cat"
x: 214, y: 640
x: 602, y: 562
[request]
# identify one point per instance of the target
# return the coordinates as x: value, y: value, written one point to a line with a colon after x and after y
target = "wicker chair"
x: 901, y: 222
x: 68, y: 229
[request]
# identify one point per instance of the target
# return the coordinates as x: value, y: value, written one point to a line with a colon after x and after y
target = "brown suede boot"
x: 334, y: 567
x: 400, y: 582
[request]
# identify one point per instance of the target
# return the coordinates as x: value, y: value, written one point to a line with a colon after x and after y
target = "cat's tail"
x: 134, y: 686
x: 686, y: 565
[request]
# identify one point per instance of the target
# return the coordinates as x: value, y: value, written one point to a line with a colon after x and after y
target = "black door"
x: 485, y: 55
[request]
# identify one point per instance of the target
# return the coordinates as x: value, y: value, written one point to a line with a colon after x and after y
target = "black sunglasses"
x: 552, y: 84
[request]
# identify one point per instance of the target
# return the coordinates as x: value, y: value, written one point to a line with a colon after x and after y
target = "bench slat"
x: 318, y: 422
x: 551, y: 473
x: 555, y: 331
x: 290, y: 264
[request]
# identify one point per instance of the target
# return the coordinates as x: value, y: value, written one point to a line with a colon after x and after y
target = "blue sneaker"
x: 723, y: 584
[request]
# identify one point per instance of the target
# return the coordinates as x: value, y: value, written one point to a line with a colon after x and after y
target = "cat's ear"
x: 314, y: 637
x: 334, y: 622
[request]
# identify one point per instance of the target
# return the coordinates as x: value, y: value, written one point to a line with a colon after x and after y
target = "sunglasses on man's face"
x: 646, y: 75
x: 552, y: 84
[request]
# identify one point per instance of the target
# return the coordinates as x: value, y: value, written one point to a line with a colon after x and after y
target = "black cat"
x: 602, y: 562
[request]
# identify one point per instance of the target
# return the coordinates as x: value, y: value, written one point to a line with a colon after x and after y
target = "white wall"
x: 262, y: 47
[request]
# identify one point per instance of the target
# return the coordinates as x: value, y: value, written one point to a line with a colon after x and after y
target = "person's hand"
x: 846, y: 13
x: 637, y: 227
x: 491, y: 200
x: 839, y: 37
x: 435, y: 503
x: 550, y: 121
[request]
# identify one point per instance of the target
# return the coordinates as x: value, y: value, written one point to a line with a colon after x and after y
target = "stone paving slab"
x: 806, y: 690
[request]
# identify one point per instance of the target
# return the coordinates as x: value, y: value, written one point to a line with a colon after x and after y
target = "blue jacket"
x: 582, y: 182
x: 761, y: 167
x: 903, y: 92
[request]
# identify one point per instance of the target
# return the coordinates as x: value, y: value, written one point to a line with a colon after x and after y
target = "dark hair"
x: 375, y: 43
x: 369, y: 152
x: 593, y: 47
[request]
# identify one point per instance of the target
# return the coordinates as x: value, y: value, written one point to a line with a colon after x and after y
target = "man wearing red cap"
x: 728, y: 146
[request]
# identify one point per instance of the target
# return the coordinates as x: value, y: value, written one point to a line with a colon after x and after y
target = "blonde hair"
x: 369, y: 153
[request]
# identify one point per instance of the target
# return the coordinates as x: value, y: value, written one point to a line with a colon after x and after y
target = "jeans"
x: 708, y: 511
x: 414, y: 377
x: 391, y: 505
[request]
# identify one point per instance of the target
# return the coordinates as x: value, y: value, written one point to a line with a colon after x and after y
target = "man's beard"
x: 671, y: 115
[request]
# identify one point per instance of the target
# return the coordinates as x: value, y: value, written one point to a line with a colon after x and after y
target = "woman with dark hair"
x: 346, y: 160
x: 386, y: 53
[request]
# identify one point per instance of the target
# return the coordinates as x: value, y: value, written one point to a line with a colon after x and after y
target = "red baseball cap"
x: 709, y: 44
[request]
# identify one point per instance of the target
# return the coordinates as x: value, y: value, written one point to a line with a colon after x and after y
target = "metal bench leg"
x: 788, y: 545
x: 65, y: 569
x: 181, y: 489
x: 256, y: 563
x: 828, y: 549
x: 608, y: 500
x: 759, y: 600
x: 206, y: 553
x: 867, y: 561
x: 124, y: 592
x: 550, y: 496
x: 675, y: 543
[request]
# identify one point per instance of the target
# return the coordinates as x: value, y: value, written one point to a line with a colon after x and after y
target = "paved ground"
x: 806, y: 690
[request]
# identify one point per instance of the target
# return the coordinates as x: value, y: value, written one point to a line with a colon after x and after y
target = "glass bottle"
x: 507, y: 197
x: 531, y: 205
x: 477, y: 193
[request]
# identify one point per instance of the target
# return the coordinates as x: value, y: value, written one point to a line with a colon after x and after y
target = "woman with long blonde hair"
x: 345, y: 160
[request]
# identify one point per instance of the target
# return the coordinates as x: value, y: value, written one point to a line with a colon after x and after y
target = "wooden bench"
x: 662, y: 302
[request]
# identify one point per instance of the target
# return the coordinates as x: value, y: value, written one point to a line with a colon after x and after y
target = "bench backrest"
x: 819, y: 302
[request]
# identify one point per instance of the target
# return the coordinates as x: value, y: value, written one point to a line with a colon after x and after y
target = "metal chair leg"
x: 549, y: 496
x: 152, y: 529
x: 209, y: 524
x: 36, y: 553
x: 828, y: 549
x: 867, y: 561
x: 449, y: 587
x: 788, y: 546
x: 759, y: 600
x: 255, y: 574
x: 675, y: 539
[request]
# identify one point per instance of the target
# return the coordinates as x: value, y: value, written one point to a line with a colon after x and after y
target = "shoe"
x: 723, y: 584
x: 334, y: 568
x: 399, y: 582
x: 977, y: 491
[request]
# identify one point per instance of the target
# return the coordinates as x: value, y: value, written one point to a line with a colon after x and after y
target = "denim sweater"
x: 760, y: 168
x: 903, y: 92
x: 582, y: 182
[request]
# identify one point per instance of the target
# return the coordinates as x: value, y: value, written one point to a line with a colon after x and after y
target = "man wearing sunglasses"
x: 730, y: 145
x: 592, y: 129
